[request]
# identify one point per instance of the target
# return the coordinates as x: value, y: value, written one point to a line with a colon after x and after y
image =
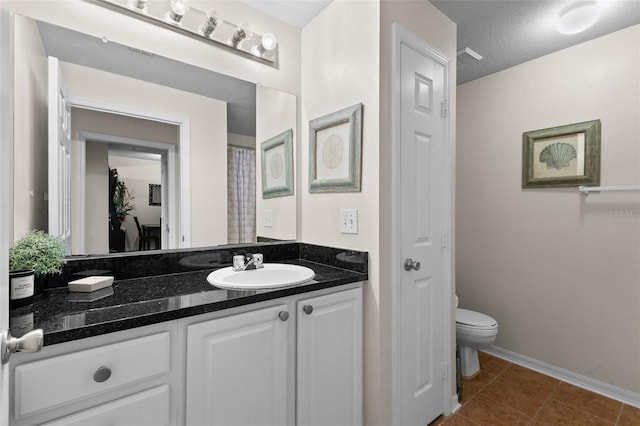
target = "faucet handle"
x: 258, y: 259
x: 238, y: 262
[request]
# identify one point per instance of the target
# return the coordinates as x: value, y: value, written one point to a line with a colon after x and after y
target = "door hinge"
x: 445, y: 371
x: 444, y: 240
x: 444, y: 109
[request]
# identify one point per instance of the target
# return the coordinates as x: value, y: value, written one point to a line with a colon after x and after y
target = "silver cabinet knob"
x: 308, y: 309
x: 283, y: 315
x: 410, y: 264
x: 102, y: 374
x: 30, y: 342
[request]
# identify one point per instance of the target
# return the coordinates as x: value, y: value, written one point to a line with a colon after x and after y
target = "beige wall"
x: 241, y: 141
x: 137, y: 174
x: 30, y: 131
x: 208, y: 142
x: 114, y: 125
x: 340, y: 59
x: 97, y: 177
x: 275, y: 113
x: 337, y: 74
x: 121, y: 125
x: 559, y: 272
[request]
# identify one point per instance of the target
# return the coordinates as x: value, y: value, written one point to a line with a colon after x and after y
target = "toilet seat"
x: 471, y: 320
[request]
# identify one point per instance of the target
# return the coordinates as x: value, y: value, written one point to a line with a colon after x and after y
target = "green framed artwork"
x: 277, y: 165
x: 562, y: 156
x: 335, y: 151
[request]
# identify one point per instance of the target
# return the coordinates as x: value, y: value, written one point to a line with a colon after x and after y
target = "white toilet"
x: 473, y: 331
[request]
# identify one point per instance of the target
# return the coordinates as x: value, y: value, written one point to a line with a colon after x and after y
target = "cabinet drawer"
x: 141, y: 409
x: 68, y: 378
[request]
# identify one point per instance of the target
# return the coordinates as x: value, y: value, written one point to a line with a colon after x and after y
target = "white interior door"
x: 6, y: 140
x: 59, y: 155
x: 421, y: 285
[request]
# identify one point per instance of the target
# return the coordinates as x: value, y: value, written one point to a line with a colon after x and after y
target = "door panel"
x: 59, y: 155
x: 421, y: 289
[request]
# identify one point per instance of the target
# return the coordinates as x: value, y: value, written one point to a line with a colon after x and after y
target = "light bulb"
x: 140, y: 5
x: 241, y: 33
x: 578, y: 16
x: 210, y: 23
x: 178, y: 9
x: 269, y: 41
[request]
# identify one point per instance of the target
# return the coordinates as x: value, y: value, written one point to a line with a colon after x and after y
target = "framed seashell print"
x: 277, y: 165
x: 562, y: 156
x: 335, y: 151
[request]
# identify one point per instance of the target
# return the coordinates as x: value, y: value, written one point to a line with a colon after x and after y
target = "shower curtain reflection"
x: 241, y: 195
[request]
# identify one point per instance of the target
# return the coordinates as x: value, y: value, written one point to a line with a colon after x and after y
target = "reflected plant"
x: 122, y: 198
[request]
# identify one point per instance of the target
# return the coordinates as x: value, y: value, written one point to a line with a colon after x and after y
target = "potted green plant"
x: 38, y: 252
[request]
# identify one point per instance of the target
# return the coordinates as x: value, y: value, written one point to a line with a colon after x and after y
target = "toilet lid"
x: 474, y: 319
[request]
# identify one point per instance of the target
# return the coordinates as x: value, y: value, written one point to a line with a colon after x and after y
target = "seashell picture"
x: 277, y: 165
x: 562, y: 156
x: 335, y: 151
x: 559, y: 157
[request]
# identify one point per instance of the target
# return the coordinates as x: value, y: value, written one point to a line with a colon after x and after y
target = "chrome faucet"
x: 253, y: 262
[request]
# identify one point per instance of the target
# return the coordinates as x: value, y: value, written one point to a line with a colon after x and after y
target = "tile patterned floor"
x: 507, y: 394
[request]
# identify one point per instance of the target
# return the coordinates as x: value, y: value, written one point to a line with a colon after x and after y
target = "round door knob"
x: 102, y: 374
x: 283, y: 315
x: 30, y: 342
x: 410, y: 264
x: 308, y: 309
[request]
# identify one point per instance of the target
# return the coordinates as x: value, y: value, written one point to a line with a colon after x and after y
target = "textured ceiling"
x: 510, y: 32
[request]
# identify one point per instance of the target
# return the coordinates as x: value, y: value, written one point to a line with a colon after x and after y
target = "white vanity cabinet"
x: 293, y: 360
x: 299, y: 362
x: 237, y: 369
x: 121, y: 378
x: 329, y: 359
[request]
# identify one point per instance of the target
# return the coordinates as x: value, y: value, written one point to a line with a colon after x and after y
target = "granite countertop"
x: 135, y: 302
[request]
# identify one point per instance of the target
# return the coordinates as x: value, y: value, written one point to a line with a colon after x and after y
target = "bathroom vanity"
x: 171, y: 349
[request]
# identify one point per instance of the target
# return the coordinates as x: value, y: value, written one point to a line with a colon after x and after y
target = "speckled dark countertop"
x: 146, y: 294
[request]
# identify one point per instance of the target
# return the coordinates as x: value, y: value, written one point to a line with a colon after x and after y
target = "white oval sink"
x: 273, y: 275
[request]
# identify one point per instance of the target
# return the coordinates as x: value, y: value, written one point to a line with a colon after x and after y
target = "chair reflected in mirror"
x: 146, y: 235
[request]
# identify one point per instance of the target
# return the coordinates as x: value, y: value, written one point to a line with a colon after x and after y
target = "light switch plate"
x: 268, y: 218
x: 349, y: 221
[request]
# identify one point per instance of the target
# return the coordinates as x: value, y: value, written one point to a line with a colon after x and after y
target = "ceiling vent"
x: 467, y: 56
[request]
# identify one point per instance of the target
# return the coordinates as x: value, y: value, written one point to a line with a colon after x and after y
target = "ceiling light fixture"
x: 578, y: 16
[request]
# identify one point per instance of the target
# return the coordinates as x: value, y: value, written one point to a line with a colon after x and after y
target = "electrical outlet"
x: 268, y: 218
x: 348, y: 221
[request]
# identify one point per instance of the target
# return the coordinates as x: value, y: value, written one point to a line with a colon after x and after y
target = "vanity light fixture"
x: 578, y: 17
x: 179, y: 15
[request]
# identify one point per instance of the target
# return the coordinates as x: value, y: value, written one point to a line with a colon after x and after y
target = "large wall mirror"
x: 140, y: 128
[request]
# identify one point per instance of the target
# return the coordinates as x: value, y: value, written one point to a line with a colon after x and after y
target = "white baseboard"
x: 455, y: 405
x: 602, y: 388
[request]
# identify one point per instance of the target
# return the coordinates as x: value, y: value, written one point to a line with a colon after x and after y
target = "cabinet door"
x: 329, y: 360
x: 148, y: 408
x: 237, y: 369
